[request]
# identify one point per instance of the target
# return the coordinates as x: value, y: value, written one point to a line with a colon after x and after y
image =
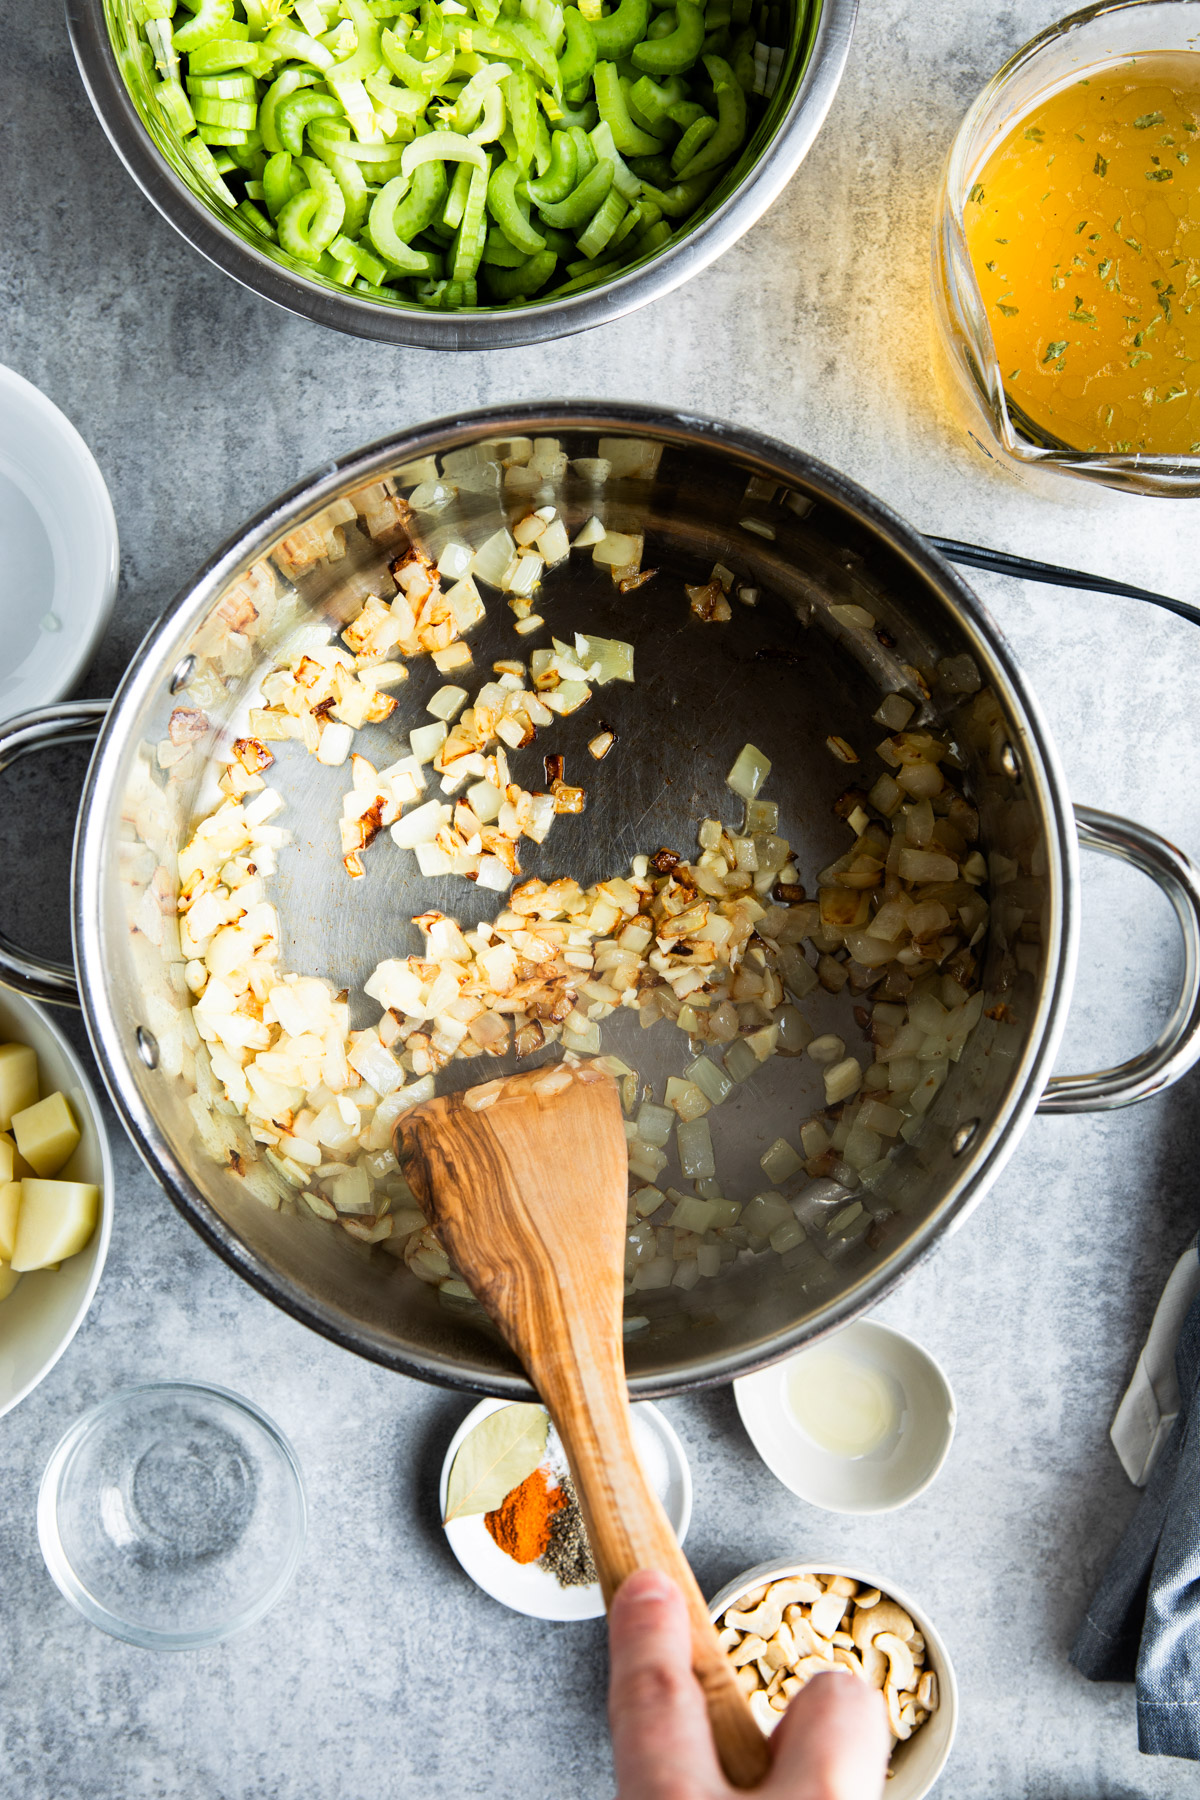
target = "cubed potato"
x: 10, y: 1206
x: 8, y: 1280
x: 20, y: 1168
x: 56, y: 1220
x: 46, y: 1134
x: 18, y: 1081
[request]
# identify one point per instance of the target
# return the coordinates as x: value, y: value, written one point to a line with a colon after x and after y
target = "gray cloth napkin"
x: 1143, y: 1623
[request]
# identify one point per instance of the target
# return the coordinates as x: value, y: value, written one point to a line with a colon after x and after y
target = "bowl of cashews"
x: 783, y: 1622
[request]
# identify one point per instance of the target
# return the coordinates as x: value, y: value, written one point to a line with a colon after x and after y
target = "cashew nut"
x: 875, y: 1665
x: 827, y: 1612
x: 849, y: 1660
x: 902, y: 1671
x: 747, y: 1679
x: 809, y: 1642
x: 765, y: 1715
x: 797, y: 1590
x: 842, y: 1584
x: 885, y: 1615
x: 729, y: 1639
x: 927, y: 1691
x: 749, y: 1648
x: 899, y: 1725
x: 764, y: 1619
x: 868, y: 1597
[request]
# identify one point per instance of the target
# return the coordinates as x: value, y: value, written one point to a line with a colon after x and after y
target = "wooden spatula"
x: 525, y: 1182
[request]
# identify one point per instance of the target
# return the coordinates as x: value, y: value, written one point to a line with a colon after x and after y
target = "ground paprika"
x: 521, y: 1523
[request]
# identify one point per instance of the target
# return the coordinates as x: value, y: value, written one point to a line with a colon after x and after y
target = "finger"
x: 662, y: 1744
x: 832, y: 1743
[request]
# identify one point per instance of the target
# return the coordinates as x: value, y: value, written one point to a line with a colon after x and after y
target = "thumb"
x: 661, y: 1741
x: 831, y: 1744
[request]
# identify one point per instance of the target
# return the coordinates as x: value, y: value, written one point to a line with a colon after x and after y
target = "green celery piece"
x: 520, y: 97
x: 234, y: 113
x: 615, y: 114
x: 385, y: 233
x: 673, y: 54
x: 327, y: 220
x: 367, y: 55
x: 697, y: 133
x: 602, y: 226
x: 653, y: 99
x: 281, y: 180
x: 560, y: 177
x: 254, y: 216
x: 676, y: 202
x: 505, y: 208
x: 578, y: 60
x: 456, y: 201
x: 220, y: 55
x: 472, y: 96
x: 288, y: 81
x: 623, y: 176
x: 580, y: 205
x: 730, y: 134
x: 617, y: 34
x: 209, y: 19
x: 525, y: 279
x: 297, y: 111
x: 498, y: 253
x: 472, y: 233
x: 287, y: 41
x: 176, y: 107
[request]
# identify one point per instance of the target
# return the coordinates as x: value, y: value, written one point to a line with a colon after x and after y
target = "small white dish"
x: 58, y: 549
x: 528, y: 1588
x: 899, y: 1467
x: 47, y: 1307
x: 916, y: 1763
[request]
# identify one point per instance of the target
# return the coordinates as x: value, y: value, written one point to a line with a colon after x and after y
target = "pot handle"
x: 1177, y: 1046
x: 69, y: 722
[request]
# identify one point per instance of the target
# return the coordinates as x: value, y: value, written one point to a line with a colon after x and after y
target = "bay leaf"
x: 499, y: 1454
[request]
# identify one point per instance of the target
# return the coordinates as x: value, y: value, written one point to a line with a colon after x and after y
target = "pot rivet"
x: 1009, y: 763
x: 964, y: 1136
x: 147, y: 1047
x: 182, y: 673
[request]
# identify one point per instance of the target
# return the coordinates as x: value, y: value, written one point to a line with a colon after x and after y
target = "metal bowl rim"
x: 988, y: 1151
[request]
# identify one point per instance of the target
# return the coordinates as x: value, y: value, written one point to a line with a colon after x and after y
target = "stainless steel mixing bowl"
x: 786, y: 674
x: 104, y: 31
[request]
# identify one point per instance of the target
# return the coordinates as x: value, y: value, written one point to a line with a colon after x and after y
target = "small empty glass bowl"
x: 172, y: 1515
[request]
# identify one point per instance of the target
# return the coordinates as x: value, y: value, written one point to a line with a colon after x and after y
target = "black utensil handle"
x: 1000, y: 562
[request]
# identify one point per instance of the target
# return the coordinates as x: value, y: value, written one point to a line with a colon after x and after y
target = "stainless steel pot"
x: 786, y: 673
x: 103, y: 33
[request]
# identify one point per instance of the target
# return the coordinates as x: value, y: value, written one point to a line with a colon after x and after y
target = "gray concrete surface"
x: 383, y: 1672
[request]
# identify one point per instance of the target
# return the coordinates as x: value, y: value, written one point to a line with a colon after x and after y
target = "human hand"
x: 831, y: 1743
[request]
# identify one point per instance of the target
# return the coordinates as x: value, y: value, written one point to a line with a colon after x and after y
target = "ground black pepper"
x: 568, y: 1554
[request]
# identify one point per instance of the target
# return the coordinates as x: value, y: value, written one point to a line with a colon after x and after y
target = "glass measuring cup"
x: 1091, y: 39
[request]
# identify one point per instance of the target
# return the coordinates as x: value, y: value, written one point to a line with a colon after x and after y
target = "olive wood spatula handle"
x: 525, y: 1182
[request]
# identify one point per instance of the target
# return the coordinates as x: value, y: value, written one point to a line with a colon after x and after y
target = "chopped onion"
x: 780, y: 1161
x: 748, y: 772
x: 694, y: 1141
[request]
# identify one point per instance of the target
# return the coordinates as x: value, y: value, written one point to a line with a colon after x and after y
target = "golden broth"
x: 1083, y: 229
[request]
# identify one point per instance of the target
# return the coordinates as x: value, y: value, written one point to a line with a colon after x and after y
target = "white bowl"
x: 917, y: 1763
x: 58, y: 549
x: 901, y: 1468
x: 527, y: 1588
x: 46, y: 1308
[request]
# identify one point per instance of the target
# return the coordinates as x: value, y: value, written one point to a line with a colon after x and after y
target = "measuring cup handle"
x: 1177, y: 1046
x: 70, y: 722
